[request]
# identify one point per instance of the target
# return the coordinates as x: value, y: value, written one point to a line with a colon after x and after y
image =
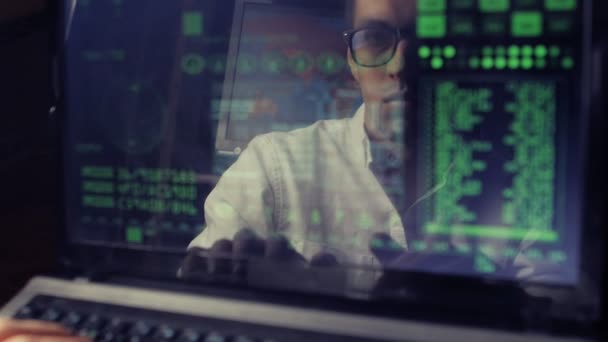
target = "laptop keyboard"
x: 103, y: 322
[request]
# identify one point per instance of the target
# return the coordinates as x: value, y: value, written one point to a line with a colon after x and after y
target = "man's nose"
x: 396, y: 65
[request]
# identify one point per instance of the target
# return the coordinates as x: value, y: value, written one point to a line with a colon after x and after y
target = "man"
x: 321, y: 187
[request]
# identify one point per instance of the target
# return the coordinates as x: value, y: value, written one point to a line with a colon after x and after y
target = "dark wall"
x: 28, y: 157
x: 15, y: 9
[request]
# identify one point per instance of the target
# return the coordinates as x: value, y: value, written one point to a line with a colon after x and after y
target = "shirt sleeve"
x: 245, y: 196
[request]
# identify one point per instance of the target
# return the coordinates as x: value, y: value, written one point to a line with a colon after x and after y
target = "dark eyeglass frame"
x: 407, y: 32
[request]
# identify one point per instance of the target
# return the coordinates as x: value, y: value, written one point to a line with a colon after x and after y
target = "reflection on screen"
x: 492, y: 144
x: 284, y: 76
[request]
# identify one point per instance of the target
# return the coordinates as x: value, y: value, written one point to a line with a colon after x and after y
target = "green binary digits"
x: 530, y: 200
x: 460, y: 113
x: 155, y: 191
x: 455, y: 115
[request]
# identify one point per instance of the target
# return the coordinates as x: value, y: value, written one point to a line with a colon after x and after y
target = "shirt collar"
x: 360, y: 138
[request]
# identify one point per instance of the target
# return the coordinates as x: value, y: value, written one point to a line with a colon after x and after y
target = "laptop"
x: 156, y: 99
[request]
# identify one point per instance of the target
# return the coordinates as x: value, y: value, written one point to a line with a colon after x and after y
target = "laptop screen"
x: 440, y: 137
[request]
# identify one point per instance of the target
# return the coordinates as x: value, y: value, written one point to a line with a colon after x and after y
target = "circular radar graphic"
x: 217, y: 64
x: 273, y: 63
x: 193, y: 64
x: 300, y: 63
x: 133, y: 117
x: 246, y: 64
x: 330, y: 63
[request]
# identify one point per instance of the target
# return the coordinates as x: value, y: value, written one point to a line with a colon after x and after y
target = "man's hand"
x: 27, y: 330
x: 228, y: 257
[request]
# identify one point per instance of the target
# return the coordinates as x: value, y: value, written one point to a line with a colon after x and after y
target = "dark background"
x: 28, y: 155
x: 29, y: 158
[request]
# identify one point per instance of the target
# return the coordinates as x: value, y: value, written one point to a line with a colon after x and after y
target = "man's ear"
x: 354, y: 68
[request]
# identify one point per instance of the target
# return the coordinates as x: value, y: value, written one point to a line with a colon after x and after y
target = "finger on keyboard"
x: 27, y: 330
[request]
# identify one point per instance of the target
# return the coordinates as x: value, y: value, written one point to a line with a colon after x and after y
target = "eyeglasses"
x: 374, y: 45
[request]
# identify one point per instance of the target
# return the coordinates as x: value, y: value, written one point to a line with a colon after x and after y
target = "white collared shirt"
x: 312, y: 185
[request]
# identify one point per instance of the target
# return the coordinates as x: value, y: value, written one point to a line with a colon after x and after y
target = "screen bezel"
x: 579, y: 303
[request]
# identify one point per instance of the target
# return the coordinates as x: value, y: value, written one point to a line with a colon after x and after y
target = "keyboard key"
x: 142, y: 328
x: 136, y: 338
x: 216, y: 337
x: 108, y: 336
x: 51, y: 315
x: 94, y: 322
x: 100, y: 327
x: 118, y: 325
x: 189, y: 335
x: 28, y: 312
x: 242, y: 338
x: 72, y: 320
x: 92, y: 334
x: 120, y: 338
x: 165, y: 333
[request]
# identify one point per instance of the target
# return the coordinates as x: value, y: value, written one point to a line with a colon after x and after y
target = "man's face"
x: 383, y: 84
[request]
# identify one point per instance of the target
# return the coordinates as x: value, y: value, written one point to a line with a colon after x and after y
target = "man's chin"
x: 384, y: 120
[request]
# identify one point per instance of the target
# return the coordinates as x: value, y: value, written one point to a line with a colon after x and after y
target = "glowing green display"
x: 431, y: 5
x: 560, y: 25
x: 494, y: 25
x: 474, y: 62
x: 483, y: 264
x: 436, y: 63
x: 273, y: 63
x: 193, y: 64
x: 540, y: 51
x: 97, y: 172
x: 487, y: 63
x: 135, y: 235
x: 500, y: 63
x: 526, y: 146
x: 330, y: 64
x: 495, y: 232
x: 513, y: 50
x: 424, y: 52
x: 494, y: 5
x: 99, y: 187
x: 246, y: 64
x: 300, y: 63
x: 560, y: 5
x: 217, y: 65
x: 192, y: 23
x: 146, y: 190
x: 431, y: 26
x: 568, y: 63
x: 462, y: 25
x: 526, y: 24
x: 449, y: 51
x: 98, y: 201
